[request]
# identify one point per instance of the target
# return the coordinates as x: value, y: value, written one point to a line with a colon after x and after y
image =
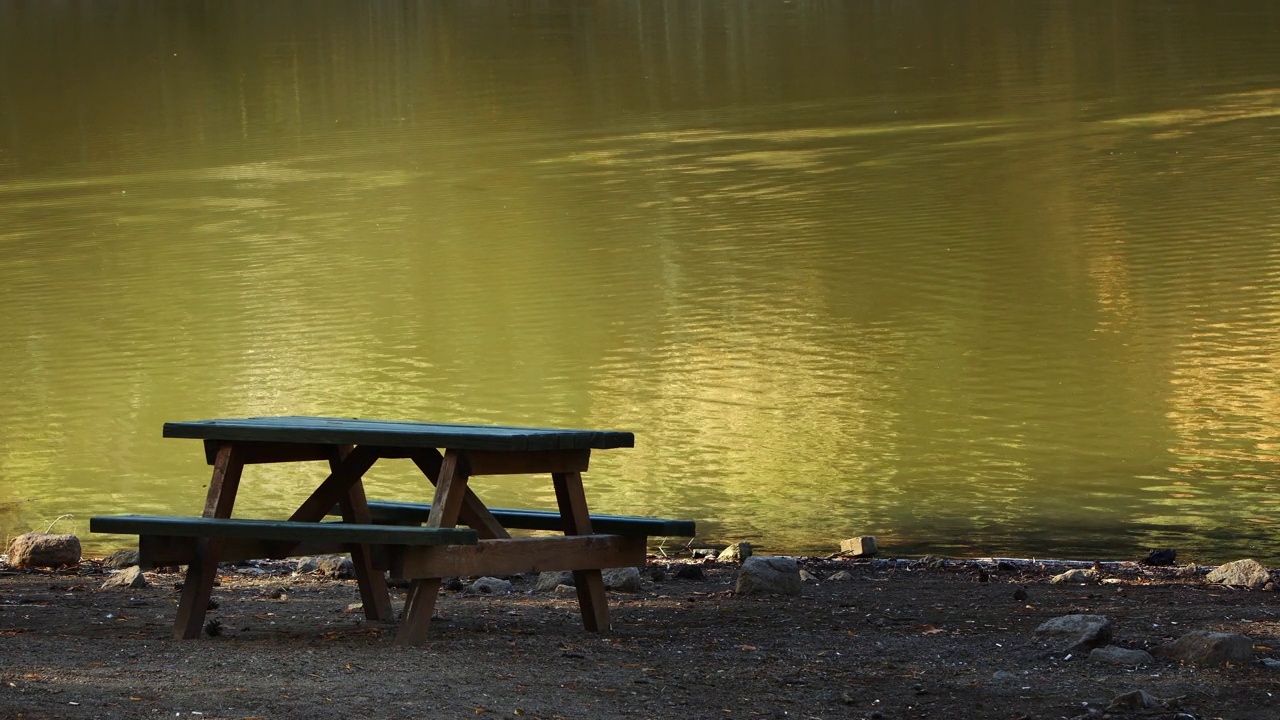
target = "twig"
x: 55, y: 521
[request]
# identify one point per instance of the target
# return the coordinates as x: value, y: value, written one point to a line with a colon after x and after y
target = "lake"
x: 979, y: 278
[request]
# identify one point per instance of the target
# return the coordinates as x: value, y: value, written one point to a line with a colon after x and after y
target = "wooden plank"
x: 520, y: 519
x: 346, y: 473
x: 521, y: 555
x: 169, y: 550
x: 280, y: 530
x: 375, y: 599
x: 473, y: 511
x: 197, y: 585
x: 572, y: 500
x: 254, y: 453
x: 343, y: 431
x: 482, y: 462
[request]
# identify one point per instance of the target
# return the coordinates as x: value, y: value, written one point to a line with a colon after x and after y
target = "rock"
x: 864, y: 546
x: 1188, y: 570
x: 490, y: 586
x: 1004, y: 676
x: 1120, y: 656
x: 549, y: 581
x: 1087, y: 631
x: 128, y: 578
x: 689, y: 572
x: 1271, y: 663
x: 657, y: 574
x: 352, y: 608
x: 335, y: 566
x: 840, y: 576
x: 704, y: 553
x: 564, y: 590
x: 1075, y: 576
x: 1241, y: 573
x: 1165, y: 556
x: 121, y: 559
x: 624, y: 579
x: 777, y: 575
x: 1200, y: 647
x: 735, y: 553
x: 1134, y: 700
x: 44, y: 550
x: 807, y: 577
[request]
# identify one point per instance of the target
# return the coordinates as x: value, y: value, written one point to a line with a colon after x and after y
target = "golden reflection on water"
x: 986, y: 279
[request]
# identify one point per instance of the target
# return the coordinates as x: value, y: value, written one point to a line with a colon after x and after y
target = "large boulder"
x: 44, y: 550
x: 1242, y: 573
x: 776, y: 575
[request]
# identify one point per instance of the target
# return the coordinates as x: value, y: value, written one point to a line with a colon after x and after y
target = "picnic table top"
x: 394, y: 433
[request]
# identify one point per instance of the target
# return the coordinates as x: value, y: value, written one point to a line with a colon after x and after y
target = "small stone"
x: 1271, y: 663
x: 623, y: 579
x: 336, y: 566
x: 128, y: 578
x: 353, y: 608
x: 550, y: 581
x: 121, y: 559
x: 1004, y: 676
x: 1134, y: 700
x: 1121, y: 656
x: 490, y: 586
x: 1075, y: 576
x: 840, y: 576
x: 565, y: 590
x: 736, y: 553
x: 1087, y: 631
x: 306, y: 565
x: 807, y: 577
x: 657, y: 574
x: 1164, y: 556
x: 44, y: 550
x: 686, y: 571
x: 777, y: 575
x: 864, y: 546
x: 1204, y: 648
x: 1242, y: 573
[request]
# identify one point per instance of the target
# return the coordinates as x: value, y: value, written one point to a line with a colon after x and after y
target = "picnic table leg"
x: 197, y: 588
x: 592, y: 600
x: 374, y: 596
x: 451, y: 489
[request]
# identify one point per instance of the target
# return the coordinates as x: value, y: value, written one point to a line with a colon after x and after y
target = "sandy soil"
x: 897, y: 640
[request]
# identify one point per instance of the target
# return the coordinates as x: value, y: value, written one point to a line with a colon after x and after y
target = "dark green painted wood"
x: 343, y: 431
x: 280, y: 530
x: 407, y: 512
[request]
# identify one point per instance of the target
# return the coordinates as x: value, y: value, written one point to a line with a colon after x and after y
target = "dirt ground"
x: 898, y: 639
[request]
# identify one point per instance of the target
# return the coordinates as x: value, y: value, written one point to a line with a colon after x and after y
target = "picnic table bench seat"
x: 165, y: 540
x: 411, y: 513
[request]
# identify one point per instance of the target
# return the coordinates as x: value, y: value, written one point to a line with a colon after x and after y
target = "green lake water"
x: 978, y: 278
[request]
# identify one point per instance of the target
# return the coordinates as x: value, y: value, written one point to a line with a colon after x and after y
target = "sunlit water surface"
x: 976, y: 279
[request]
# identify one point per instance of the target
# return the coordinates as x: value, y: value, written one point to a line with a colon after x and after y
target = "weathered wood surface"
x: 342, y: 431
x: 520, y: 555
x: 280, y: 530
x: 517, y: 519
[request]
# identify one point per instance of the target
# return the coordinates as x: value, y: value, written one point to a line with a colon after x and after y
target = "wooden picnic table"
x: 448, y: 455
